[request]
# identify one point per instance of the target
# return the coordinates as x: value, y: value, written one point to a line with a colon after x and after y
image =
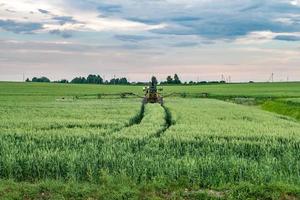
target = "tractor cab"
x: 151, y: 93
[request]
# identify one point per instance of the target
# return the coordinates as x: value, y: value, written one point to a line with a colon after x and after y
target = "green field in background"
x: 244, y: 89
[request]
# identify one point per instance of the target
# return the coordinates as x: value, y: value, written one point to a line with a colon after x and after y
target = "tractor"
x: 151, y: 93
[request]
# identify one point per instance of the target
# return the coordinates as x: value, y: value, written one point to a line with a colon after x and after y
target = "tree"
x: 79, y: 80
x: 114, y: 81
x: 94, y: 79
x: 91, y: 79
x: 27, y: 80
x: 119, y: 81
x: 99, y: 80
x: 123, y: 81
x: 169, y: 80
x: 176, y: 79
x: 62, y: 81
x: 45, y: 79
x: 42, y: 79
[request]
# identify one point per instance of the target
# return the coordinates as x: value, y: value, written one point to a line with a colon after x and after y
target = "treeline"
x: 97, y: 79
x: 41, y: 79
x: 90, y: 79
x: 170, y: 80
x: 204, y: 82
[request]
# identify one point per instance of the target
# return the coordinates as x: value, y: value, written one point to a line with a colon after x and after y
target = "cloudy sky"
x: 198, y: 39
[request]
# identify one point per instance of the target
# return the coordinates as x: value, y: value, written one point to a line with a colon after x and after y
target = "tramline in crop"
x: 151, y: 125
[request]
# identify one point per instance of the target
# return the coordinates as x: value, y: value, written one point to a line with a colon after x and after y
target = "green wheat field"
x: 63, y: 141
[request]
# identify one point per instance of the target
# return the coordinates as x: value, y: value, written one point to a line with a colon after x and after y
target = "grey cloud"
x: 290, y: 38
x: 185, y: 18
x: 43, y: 11
x: 157, y: 20
x: 32, y: 27
x: 144, y: 20
x: 20, y: 27
x: 64, y: 19
x: 222, y: 20
x: 107, y: 8
x: 134, y: 38
x: 185, y: 44
x: 11, y: 11
x: 212, y: 26
x: 226, y: 26
x: 63, y: 34
x: 251, y: 7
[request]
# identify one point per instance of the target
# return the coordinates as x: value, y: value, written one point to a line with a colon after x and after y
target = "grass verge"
x: 122, y: 187
x: 287, y: 108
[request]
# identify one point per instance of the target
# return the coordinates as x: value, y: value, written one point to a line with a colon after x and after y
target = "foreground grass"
x: 122, y: 187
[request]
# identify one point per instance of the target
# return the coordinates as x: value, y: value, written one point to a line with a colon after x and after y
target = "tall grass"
x: 289, y: 107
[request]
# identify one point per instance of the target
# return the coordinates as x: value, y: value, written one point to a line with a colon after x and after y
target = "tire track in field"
x: 168, y: 119
x: 138, y: 118
x: 137, y: 145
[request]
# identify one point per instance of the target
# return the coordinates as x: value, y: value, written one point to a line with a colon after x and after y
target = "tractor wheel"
x: 145, y: 100
x: 161, y: 101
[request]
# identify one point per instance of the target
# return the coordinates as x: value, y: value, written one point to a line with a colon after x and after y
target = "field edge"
x: 122, y: 187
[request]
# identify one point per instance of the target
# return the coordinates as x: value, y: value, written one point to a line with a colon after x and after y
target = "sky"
x: 203, y: 40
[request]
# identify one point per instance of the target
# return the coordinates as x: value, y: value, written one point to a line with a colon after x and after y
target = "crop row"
x: 212, y: 118
x: 210, y: 143
x: 47, y: 115
x: 152, y: 124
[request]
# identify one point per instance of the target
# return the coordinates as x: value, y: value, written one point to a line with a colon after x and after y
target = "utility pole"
x: 271, y: 79
x: 23, y: 77
x: 222, y: 77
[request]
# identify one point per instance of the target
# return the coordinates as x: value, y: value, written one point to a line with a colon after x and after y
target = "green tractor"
x: 151, y: 93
